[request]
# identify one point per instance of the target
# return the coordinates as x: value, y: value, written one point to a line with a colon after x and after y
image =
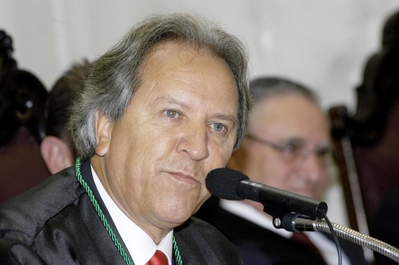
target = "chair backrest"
x: 367, y: 172
x: 367, y: 141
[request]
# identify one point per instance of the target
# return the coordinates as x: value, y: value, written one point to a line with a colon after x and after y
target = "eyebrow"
x: 302, y: 141
x: 230, y: 118
x: 169, y: 99
x: 293, y: 139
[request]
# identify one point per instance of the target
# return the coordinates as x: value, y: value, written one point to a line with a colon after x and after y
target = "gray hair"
x: 265, y: 87
x: 117, y: 74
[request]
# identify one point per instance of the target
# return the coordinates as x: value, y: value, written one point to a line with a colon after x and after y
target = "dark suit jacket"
x: 55, y: 223
x: 258, y: 245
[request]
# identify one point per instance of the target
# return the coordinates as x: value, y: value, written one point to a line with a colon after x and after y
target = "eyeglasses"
x: 295, y: 148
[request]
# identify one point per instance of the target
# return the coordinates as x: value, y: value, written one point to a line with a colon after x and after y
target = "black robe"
x: 56, y: 223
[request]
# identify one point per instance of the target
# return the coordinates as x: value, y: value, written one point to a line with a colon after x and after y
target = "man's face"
x: 288, y: 121
x: 180, y: 124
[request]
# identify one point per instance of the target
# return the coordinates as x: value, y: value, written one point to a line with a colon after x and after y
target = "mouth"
x: 186, y: 178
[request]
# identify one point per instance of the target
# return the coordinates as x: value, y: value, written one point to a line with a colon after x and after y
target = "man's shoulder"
x: 28, y: 212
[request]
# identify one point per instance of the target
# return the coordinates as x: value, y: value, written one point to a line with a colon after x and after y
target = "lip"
x: 186, y: 178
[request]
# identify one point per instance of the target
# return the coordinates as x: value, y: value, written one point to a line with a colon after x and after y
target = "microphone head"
x: 222, y: 182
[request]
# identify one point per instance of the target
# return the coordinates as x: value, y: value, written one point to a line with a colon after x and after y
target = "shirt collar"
x: 249, y: 213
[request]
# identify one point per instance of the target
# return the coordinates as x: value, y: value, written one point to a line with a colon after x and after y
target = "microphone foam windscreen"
x: 222, y: 182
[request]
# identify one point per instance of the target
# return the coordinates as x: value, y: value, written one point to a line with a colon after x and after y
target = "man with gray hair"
x: 159, y: 110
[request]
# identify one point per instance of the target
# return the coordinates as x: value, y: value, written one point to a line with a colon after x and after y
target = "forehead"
x: 174, y: 53
x: 189, y: 73
x: 287, y: 116
x: 172, y: 58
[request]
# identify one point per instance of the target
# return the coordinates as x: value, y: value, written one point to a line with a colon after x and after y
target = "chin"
x: 174, y: 219
x: 177, y: 213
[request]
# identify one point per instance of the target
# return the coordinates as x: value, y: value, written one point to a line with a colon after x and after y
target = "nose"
x: 194, y: 143
x: 314, y: 165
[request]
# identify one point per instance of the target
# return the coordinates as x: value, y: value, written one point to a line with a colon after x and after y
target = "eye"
x: 290, y: 148
x: 293, y: 147
x: 218, y: 127
x: 324, y: 152
x: 171, y: 114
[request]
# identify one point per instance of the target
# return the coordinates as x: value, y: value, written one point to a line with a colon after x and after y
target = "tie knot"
x: 159, y: 258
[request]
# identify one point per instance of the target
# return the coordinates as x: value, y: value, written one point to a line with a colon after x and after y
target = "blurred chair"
x: 367, y: 142
x: 22, y: 103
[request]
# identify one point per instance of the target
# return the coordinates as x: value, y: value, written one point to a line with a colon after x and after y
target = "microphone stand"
x: 298, y: 223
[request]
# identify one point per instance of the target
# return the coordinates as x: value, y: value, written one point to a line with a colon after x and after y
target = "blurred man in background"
x: 57, y: 148
x: 287, y: 147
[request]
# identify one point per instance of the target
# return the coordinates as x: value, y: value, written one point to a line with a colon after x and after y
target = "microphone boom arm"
x: 298, y: 223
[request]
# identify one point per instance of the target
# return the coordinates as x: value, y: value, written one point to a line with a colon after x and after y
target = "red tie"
x: 303, y: 239
x: 159, y: 258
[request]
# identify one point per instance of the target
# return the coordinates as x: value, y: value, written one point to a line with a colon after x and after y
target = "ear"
x: 56, y: 153
x: 103, y: 134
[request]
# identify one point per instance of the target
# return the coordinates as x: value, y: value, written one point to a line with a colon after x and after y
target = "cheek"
x: 140, y: 142
x: 275, y: 172
x: 140, y: 152
x: 324, y: 180
x: 259, y: 164
x: 278, y: 175
x: 126, y: 154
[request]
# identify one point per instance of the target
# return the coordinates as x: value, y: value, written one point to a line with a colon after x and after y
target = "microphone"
x: 230, y: 184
